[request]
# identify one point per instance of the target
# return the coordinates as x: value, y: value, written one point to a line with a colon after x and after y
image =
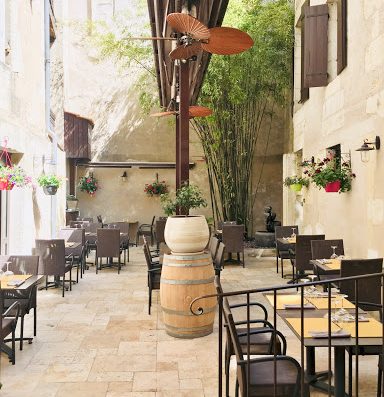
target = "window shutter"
x: 316, y: 46
x: 341, y: 35
x: 304, y: 91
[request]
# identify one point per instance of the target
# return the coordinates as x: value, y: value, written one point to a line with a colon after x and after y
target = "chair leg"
x: 149, y: 299
x: 34, y: 321
x: 21, y: 332
x: 119, y: 265
x: 77, y: 272
x: 13, y: 348
x: 237, y: 388
x: 243, y: 260
x: 379, y: 382
x: 97, y: 264
x: 282, y: 267
x: 277, y: 264
x: 128, y: 253
x: 227, y: 365
x: 63, y: 285
x: 350, y: 372
x: 70, y: 279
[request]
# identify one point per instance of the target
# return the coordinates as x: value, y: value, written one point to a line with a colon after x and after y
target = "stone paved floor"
x: 99, y: 341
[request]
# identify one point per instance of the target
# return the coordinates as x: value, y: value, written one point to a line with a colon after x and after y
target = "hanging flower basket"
x: 88, y: 184
x: 333, y: 187
x: 50, y: 183
x: 156, y: 188
x: 296, y: 187
x: 6, y: 185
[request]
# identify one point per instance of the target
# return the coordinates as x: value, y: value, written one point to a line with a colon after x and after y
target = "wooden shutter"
x: 316, y: 46
x: 304, y: 91
x: 341, y: 35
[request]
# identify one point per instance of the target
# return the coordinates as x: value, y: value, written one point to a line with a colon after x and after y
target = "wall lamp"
x: 366, y: 147
x: 124, y: 177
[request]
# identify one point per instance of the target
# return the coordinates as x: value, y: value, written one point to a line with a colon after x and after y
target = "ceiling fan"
x: 194, y: 111
x: 197, y: 37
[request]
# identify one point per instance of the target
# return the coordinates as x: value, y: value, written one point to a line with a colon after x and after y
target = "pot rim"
x: 185, y: 216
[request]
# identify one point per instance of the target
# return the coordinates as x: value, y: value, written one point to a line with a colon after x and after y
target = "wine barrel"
x: 184, y: 278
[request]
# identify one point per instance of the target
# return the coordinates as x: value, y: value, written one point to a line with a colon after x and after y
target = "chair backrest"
x: 99, y: 219
x: 108, y: 243
x: 74, y: 236
x: 321, y: 249
x: 369, y: 289
x: 51, y: 257
x: 153, y: 220
x: 233, y: 237
x: 219, y: 256
x: 133, y: 226
x: 159, y: 230
x: 285, y: 231
x: 20, y: 264
x: 303, y: 252
x: 93, y: 227
x: 220, y: 224
x: 213, y: 245
x: 90, y: 220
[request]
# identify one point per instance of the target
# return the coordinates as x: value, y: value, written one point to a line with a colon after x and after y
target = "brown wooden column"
x: 72, y: 176
x: 177, y: 153
x: 182, y: 159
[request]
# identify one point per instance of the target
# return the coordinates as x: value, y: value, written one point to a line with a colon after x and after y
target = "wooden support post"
x: 72, y: 176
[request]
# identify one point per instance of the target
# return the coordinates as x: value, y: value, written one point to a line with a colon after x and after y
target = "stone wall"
x: 347, y: 111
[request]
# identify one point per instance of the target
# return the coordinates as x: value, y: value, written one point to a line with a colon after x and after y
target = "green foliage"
x: 187, y: 197
x: 296, y: 180
x: 88, y: 184
x: 15, y: 175
x: 330, y: 170
x: 244, y: 92
x: 49, y: 180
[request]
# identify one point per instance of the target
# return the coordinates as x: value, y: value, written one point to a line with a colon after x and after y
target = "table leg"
x: 313, y: 377
x: 339, y: 371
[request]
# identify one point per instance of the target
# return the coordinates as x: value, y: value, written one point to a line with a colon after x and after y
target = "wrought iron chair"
x: 108, y: 246
x: 262, y: 370
x: 282, y: 250
x: 22, y: 264
x: 146, y: 229
x: 52, y: 262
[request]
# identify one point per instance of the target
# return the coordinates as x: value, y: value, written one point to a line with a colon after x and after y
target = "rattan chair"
x: 262, y: 370
x: 133, y: 228
x: 22, y: 264
x: 282, y: 250
x: 321, y: 249
x: 146, y: 229
x: 213, y: 245
x: 52, y: 262
x: 77, y: 254
x: 154, y: 274
x: 108, y: 246
x: 159, y: 231
x: 124, y: 241
x: 369, y: 294
x: 8, y: 323
x: 302, y: 256
x: 233, y: 239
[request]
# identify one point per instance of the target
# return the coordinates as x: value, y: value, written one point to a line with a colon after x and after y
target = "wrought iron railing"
x: 196, y: 309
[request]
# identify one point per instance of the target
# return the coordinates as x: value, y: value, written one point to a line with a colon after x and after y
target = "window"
x: 5, y: 32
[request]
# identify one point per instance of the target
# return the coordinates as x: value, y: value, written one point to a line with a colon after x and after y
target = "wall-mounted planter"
x: 50, y: 190
x: 333, y: 187
x: 296, y: 187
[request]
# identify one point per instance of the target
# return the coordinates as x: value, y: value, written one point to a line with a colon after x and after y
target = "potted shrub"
x: 50, y: 183
x: 331, y: 174
x: 72, y: 202
x: 13, y: 175
x: 88, y: 184
x: 296, y: 183
x: 185, y: 233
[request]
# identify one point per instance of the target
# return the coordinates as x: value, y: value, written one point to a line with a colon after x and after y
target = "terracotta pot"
x: 50, y: 190
x: 186, y: 234
x: 333, y: 187
x: 6, y: 185
x: 296, y: 187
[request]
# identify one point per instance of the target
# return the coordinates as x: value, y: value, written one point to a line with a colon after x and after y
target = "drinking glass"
x: 293, y: 235
x: 8, y: 272
x: 334, y: 255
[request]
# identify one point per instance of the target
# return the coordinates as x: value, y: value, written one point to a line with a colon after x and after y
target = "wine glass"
x: 293, y: 235
x: 8, y: 272
x: 334, y: 255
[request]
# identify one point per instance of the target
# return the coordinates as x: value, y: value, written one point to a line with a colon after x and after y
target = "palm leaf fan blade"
x: 184, y: 23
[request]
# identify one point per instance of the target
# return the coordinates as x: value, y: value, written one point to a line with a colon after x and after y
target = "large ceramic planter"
x: 186, y: 234
x: 6, y: 185
x: 50, y: 190
x: 296, y: 187
x: 333, y: 187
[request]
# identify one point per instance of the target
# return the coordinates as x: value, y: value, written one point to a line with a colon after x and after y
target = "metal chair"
x: 146, y: 229
x: 233, y: 239
x: 22, y: 264
x: 301, y: 257
x: 52, y: 262
x: 154, y: 274
x: 77, y: 254
x: 108, y: 246
x: 282, y: 250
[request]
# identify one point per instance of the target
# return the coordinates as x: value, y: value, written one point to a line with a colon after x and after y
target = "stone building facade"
x: 346, y: 108
x: 27, y: 213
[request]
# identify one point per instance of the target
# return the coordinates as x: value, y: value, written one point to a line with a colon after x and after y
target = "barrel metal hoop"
x: 186, y: 282
x: 186, y: 313
x: 188, y: 264
x: 180, y: 329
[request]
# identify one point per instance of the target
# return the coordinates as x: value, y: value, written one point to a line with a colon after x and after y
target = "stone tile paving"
x: 99, y: 341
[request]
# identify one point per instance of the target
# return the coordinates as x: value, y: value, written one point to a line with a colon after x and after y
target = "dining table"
x: 343, y: 334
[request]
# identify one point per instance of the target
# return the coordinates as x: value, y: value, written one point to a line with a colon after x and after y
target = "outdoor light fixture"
x: 366, y: 147
x: 124, y: 177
